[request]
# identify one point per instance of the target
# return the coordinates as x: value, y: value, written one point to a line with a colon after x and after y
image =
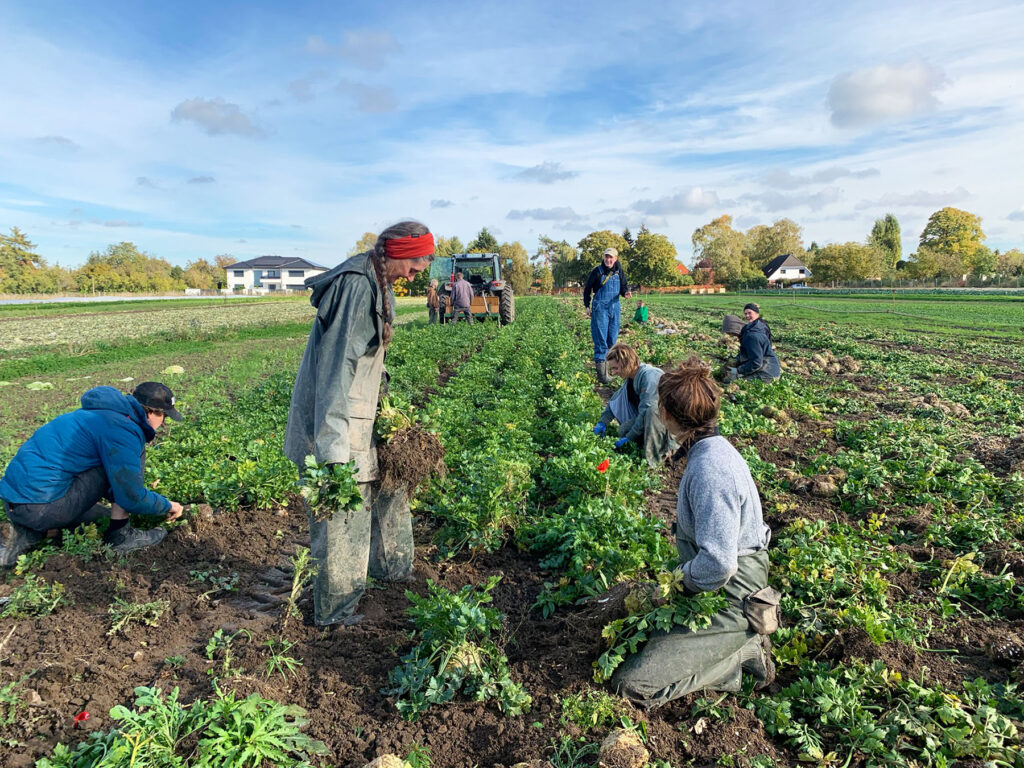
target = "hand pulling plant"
x: 455, y: 654
x: 330, y: 488
x: 662, y: 608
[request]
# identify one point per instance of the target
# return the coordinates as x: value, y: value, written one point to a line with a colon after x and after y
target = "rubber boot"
x: 602, y: 371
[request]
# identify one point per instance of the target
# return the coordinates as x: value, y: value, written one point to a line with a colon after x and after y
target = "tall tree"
x: 765, y: 243
x: 363, y: 244
x: 202, y: 274
x: 520, y: 273
x: 722, y: 246
x: 563, y: 260
x: 956, y: 233
x: 22, y: 270
x: 628, y: 236
x: 848, y: 261
x: 485, y: 242
x: 545, y: 279
x: 123, y: 267
x: 652, y: 260
x: 885, y: 236
x: 592, y: 248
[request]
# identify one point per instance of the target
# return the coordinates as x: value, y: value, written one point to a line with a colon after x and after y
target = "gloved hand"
x: 600, y: 428
x: 731, y: 375
x: 621, y: 443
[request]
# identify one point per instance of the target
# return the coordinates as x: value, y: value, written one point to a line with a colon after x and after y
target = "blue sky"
x: 195, y: 129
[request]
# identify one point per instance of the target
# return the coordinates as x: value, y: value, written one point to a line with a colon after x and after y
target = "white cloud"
x: 57, y: 141
x: 561, y: 213
x: 777, y: 201
x: 202, y: 180
x: 916, y: 199
x: 884, y: 92
x: 693, y: 200
x: 365, y: 49
x: 1017, y: 215
x: 215, y: 116
x: 373, y: 99
x: 145, y: 181
x: 783, y: 179
x: 441, y: 203
x: 547, y: 173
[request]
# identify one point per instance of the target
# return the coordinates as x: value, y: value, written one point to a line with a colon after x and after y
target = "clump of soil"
x: 823, y: 486
x: 408, y: 458
x: 934, y: 401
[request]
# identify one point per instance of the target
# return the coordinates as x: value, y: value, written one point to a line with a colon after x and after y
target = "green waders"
x: 680, y: 662
x: 375, y: 539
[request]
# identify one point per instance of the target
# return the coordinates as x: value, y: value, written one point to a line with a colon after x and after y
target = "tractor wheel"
x: 442, y: 309
x: 506, y: 306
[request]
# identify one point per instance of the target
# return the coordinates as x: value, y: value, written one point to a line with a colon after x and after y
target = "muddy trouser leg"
x: 391, y: 547
x: 432, y: 315
x: 340, y: 547
x: 675, y: 664
x: 74, y: 507
x: 599, y: 330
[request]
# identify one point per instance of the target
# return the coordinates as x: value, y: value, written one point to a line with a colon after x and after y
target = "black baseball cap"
x: 153, y: 394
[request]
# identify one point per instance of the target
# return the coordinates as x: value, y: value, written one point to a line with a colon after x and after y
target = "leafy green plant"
x: 569, y: 752
x: 12, y: 705
x: 278, y: 661
x: 455, y: 654
x: 330, y: 488
x: 225, y: 732
x: 124, y: 613
x: 34, y: 597
x: 220, y: 648
x: 419, y: 757
x: 216, y: 582
x: 626, y: 635
x: 592, y: 710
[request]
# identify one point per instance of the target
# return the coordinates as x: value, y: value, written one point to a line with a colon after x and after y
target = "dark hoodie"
x: 757, y: 356
x: 110, y: 430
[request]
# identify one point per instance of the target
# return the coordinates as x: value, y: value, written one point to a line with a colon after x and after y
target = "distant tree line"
x: 121, y: 268
x: 951, y: 248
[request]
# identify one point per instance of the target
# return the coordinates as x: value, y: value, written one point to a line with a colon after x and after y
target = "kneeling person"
x: 59, y: 475
x: 635, y: 406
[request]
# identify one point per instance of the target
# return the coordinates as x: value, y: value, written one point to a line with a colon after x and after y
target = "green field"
x: 889, y: 458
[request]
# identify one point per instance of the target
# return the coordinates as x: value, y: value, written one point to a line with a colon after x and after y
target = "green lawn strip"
x: 43, y: 309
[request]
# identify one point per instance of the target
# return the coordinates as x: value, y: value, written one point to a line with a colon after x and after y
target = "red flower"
x: 81, y: 717
x: 603, y: 466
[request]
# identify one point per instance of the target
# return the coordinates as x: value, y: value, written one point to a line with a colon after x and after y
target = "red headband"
x: 410, y: 247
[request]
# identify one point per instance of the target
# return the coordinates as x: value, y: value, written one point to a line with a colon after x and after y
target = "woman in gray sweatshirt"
x: 722, y: 542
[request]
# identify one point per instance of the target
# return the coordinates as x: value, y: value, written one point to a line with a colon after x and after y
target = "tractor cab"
x: 492, y: 296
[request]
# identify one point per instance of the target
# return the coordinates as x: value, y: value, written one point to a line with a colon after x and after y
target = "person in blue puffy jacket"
x: 60, y: 474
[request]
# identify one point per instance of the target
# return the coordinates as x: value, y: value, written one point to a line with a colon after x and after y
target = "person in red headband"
x: 334, y: 404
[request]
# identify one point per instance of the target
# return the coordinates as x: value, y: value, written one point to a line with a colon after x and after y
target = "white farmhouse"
x: 266, y: 274
x: 785, y: 268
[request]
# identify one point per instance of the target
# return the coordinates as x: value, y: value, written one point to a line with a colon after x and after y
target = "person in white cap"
x: 605, y: 285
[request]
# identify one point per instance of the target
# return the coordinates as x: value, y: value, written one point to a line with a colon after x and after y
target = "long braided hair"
x: 401, y: 229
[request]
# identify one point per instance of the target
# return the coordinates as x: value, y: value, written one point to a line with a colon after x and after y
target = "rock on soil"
x: 623, y: 749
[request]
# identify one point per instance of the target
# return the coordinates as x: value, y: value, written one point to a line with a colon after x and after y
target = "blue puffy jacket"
x: 757, y: 358
x: 110, y: 431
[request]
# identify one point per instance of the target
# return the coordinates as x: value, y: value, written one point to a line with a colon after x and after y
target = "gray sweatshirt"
x: 719, y: 511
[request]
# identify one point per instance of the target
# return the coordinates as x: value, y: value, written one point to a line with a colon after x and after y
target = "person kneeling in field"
x: 59, y: 475
x: 635, y: 406
x: 722, y: 542
x: 757, y: 359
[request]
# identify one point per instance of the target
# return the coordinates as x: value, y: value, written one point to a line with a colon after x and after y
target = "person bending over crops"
x: 635, y: 406
x: 756, y: 359
x: 722, y: 542
x: 605, y: 284
x: 58, y: 477
x: 333, y: 407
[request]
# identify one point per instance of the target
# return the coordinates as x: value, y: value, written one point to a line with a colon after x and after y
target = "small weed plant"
x: 124, y: 613
x: 34, y: 597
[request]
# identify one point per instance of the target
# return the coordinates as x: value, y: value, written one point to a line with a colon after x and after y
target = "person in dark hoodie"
x: 757, y: 359
x: 605, y: 284
x: 60, y: 474
x: 333, y: 408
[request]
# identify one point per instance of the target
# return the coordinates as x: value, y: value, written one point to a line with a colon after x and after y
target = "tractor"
x: 492, y: 296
